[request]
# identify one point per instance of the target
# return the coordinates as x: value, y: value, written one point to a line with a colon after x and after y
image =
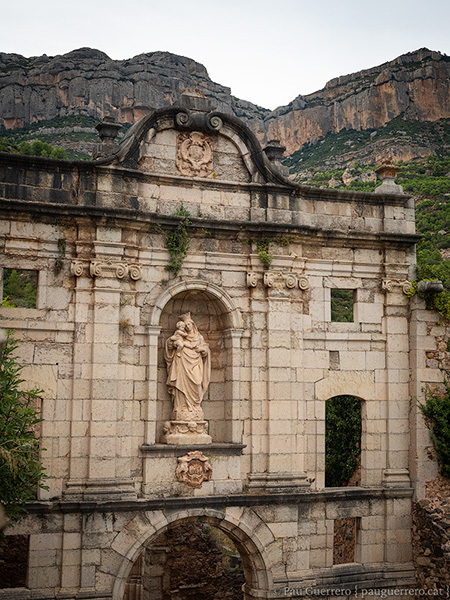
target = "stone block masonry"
x: 95, y: 344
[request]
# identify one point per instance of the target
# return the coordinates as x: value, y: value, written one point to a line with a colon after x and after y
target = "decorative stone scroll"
x: 389, y: 285
x: 278, y: 279
x: 193, y: 469
x: 96, y: 268
x: 252, y: 279
x: 194, y: 154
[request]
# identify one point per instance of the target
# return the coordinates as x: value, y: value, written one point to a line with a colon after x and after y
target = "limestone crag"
x: 85, y: 81
x: 415, y: 85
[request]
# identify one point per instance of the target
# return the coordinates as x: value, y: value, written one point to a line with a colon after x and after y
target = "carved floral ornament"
x: 389, y: 285
x: 194, y: 154
x: 96, y: 268
x: 277, y: 279
x: 185, y: 428
x: 193, y: 469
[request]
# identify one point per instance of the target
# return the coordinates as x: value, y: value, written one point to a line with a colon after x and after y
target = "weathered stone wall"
x: 431, y: 534
x: 94, y: 343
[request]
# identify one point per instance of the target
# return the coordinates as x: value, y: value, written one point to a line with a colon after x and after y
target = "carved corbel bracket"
x: 278, y: 279
x: 97, y: 268
x: 389, y: 285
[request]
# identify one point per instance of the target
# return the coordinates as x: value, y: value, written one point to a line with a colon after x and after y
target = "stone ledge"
x: 361, y: 239
x: 377, y: 576
x: 15, y: 593
x: 10, y: 318
x: 282, y: 186
x: 217, y: 449
x: 220, y: 501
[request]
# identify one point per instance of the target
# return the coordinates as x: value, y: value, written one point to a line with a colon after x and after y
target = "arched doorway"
x: 188, y: 561
x: 144, y: 534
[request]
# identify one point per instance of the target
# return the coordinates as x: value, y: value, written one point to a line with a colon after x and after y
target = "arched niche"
x: 219, y: 322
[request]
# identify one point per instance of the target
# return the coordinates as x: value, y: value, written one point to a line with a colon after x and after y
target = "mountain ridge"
x: 85, y: 81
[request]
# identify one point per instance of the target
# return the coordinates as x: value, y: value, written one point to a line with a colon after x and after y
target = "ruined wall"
x: 105, y: 306
x: 432, y: 543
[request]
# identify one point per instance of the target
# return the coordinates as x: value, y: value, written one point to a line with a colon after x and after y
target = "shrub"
x: 20, y: 468
x: 437, y: 412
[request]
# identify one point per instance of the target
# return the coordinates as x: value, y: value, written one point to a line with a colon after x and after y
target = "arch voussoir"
x: 139, y: 534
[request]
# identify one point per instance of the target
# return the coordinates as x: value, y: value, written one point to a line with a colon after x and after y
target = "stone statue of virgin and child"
x: 188, y: 360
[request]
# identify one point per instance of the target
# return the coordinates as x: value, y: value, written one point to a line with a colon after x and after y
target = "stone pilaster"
x: 395, y: 327
x: 150, y: 427
x: 233, y: 378
x: 281, y: 408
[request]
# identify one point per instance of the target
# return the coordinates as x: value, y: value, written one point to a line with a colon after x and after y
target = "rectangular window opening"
x: 342, y: 306
x: 13, y: 561
x: 20, y: 288
x: 344, y: 540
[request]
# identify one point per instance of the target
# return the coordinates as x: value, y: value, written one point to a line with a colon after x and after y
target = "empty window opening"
x: 344, y: 540
x: 13, y: 561
x: 20, y: 288
x: 343, y: 426
x: 192, y: 560
x: 342, y: 306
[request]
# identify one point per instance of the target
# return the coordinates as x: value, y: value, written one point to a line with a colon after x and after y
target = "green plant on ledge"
x: 437, y: 417
x: 263, y: 249
x: 177, y: 241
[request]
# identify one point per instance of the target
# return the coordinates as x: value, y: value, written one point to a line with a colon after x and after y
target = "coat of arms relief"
x: 194, y: 154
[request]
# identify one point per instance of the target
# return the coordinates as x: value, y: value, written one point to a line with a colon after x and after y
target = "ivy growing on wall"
x: 177, y: 241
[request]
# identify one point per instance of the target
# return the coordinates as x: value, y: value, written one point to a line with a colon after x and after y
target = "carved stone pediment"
x: 194, y: 154
x: 193, y: 469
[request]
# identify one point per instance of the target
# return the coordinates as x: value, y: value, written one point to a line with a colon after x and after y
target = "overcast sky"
x: 268, y: 52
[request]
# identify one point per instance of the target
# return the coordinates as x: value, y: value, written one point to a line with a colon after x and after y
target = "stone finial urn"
x: 387, y: 172
x: 107, y: 131
x: 274, y: 152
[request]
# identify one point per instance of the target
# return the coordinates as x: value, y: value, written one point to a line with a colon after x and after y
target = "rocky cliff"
x: 88, y: 82
x: 415, y: 86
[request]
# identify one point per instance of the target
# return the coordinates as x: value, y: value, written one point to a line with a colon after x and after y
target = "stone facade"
x: 95, y: 345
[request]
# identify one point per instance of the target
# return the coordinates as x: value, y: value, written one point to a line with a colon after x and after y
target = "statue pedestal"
x: 186, y: 432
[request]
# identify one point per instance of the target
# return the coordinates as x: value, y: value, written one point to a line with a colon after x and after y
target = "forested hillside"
x: 427, y: 180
